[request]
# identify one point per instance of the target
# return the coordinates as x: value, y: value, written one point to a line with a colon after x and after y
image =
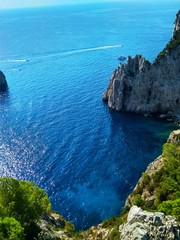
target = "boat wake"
x: 84, y: 50
x: 93, y: 49
x: 61, y: 54
x: 14, y: 60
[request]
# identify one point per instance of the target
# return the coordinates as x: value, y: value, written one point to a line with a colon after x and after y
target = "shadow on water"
x: 141, y: 142
x: 141, y: 126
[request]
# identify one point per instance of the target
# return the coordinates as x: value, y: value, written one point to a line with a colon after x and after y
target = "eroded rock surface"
x: 149, y: 88
x: 143, y: 225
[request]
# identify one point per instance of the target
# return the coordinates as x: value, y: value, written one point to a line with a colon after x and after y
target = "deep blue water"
x: 54, y: 128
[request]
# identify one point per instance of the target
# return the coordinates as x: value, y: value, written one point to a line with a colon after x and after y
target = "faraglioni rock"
x: 3, y: 82
x: 149, y: 88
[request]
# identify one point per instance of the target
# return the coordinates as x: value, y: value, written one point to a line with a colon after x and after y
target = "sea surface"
x: 54, y: 128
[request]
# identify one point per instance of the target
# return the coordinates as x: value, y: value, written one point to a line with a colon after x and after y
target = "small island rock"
x: 3, y: 82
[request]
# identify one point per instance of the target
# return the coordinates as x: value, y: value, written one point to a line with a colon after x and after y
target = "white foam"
x: 14, y: 60
x: 93, y: 49
x: 81, y: 51
x: 62, y: 53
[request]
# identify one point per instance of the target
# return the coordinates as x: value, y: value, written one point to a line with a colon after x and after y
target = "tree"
x: 11, y: 229
x: 23, y: 201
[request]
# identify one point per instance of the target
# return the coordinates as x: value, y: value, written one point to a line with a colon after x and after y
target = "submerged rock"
x: 3, y: 82
x: 149, y: 88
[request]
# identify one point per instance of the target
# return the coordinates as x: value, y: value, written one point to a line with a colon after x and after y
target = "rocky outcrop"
x: 176, y: 31
x: 3, y: 82
x: 54, y: 227
x: 149, y: 88
x: 143, y: 225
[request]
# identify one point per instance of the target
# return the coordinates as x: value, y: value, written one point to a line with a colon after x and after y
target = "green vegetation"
x: 115, y: 234
x: 172, y: 44
x: 25, y: 203
x: 138, y: 201
x: 171, y: 207
x: 10, y: 229
x: 115, y: 221
x: 164, y: 184
x: 147, y: 61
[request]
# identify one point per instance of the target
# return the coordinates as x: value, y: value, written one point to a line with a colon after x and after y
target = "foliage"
x: 147, y: 61
x: 23, y: 201
x: 138, y: 201
x: 169, y: 183
x: 171, y: 207
x: 164, y: 184
x: 172, y: 44
x: 115, y: 221
x: 69, y: 227
x: 11, y: 229
x: 115, y: 234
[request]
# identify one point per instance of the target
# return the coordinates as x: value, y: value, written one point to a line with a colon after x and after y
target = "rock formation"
x: 149, y: 88
x: 3, y: 82
x: 143, y: 225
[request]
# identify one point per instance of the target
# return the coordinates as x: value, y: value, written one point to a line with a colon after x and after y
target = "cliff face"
x: 3, y: 82
x: 149, y: 88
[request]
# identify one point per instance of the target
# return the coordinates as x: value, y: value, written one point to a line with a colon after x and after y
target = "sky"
x: 35, y: 3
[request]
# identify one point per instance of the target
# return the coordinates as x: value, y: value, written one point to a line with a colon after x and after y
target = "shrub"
x: 172, y: 44
x: 11, y: 229
x: 23, y: 201
x: 138, y: 201
x: 171, y: 208
x: 115, y: 234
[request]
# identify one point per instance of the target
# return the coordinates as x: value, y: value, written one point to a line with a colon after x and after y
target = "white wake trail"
x: 14, y: 60
x: 61, y: 53
x: 93, y: 49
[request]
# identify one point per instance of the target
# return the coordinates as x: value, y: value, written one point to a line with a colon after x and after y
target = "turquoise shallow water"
x: 54, y: 127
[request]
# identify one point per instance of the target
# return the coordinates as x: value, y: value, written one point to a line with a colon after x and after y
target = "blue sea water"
x: 54, y: 128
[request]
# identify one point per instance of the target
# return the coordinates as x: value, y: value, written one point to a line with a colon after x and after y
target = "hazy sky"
x: 34, y: 3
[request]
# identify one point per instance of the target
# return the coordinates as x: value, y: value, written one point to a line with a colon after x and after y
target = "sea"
x: 55, y: 129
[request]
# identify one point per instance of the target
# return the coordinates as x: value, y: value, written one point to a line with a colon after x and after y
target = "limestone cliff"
x: 149, y: 88
x: 3, y: 82
x: 143, y: 225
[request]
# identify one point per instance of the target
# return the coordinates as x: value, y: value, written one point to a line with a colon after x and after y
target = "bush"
x: 164, y: 184
x: 171, y: 208
x: 10, y: 229
x: 172, y: 44
x: 115, y: 234
x: 138, y: 201
x: 23, y: 201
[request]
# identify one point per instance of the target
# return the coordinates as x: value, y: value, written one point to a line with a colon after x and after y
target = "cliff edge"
x: 152, y: 209
x: 149, y: 88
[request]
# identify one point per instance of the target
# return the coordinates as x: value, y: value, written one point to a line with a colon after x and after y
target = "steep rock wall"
x: 149, y: 88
